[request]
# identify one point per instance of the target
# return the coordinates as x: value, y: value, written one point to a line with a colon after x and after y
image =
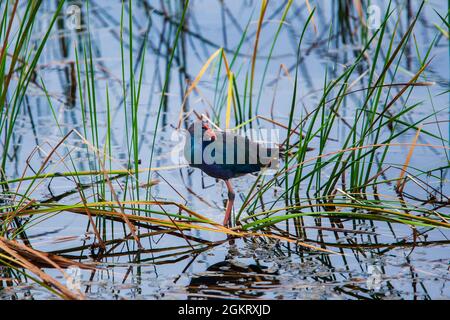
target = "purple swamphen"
x: 225, y: 155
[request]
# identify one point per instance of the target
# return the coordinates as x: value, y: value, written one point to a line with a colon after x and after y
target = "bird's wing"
x: 247, y: 151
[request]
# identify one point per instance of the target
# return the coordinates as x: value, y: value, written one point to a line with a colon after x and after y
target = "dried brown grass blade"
x: 312, y: 18
x: 401, y: 181
x: 28, y: 258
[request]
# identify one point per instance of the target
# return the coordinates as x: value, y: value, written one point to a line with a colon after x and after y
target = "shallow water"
x: 372, y: 260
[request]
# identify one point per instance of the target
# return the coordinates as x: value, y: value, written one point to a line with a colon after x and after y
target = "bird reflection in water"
x: 227, y: 279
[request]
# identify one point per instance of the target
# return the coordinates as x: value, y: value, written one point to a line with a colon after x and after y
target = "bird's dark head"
x: 202, y: 130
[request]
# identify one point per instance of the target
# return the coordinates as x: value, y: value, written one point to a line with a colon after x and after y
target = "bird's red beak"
x: 209, y: 133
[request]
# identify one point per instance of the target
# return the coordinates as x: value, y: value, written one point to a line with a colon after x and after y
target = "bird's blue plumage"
x: 231, y: 156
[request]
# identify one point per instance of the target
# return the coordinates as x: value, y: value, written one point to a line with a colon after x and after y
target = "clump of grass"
x: 19, y: 257
x: 20, y: 61
x: 355, y: 161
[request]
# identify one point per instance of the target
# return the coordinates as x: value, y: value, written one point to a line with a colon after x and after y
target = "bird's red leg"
x: 226, y: 220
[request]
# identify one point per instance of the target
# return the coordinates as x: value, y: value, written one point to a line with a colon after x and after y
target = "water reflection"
x: 228, y: 279
x: 404, y: 271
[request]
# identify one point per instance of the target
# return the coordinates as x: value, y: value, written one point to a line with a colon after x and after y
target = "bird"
x: 225, y: 155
